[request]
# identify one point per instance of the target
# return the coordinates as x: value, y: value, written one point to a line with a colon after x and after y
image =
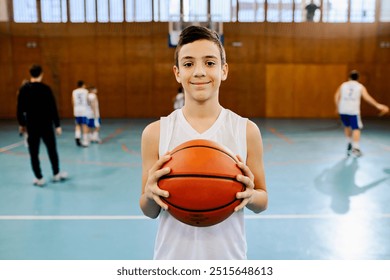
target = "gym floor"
x: 322, y: 204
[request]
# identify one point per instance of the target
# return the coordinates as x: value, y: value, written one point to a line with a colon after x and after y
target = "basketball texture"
x: 202, y: 183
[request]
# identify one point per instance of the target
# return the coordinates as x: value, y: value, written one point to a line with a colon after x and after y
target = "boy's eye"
x: 187, y: 64
x: 210, y: 63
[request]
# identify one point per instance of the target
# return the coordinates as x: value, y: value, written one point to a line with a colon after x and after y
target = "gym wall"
x: 286, y: 70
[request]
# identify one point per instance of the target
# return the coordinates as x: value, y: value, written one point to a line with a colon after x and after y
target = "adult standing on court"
x: 80, y: 104
x: 347, y: 99
x: 37, y: 115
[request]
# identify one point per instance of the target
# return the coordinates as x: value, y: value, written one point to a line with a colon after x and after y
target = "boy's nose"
x: 199, y: 71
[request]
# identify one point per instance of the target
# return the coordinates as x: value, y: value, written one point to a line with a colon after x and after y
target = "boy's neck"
x: 201, y: 118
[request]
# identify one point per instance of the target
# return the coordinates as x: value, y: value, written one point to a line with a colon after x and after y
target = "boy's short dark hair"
x: 80, y: 83
x: 35, y: 70
x: 194, y: 33
x: 354, y: 75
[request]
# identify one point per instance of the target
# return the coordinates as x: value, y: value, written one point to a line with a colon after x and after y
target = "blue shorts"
x: 81, y: 120
x: 91, y: 123
x: 352, y: 121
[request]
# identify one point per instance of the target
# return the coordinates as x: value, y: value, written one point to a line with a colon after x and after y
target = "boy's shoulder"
x: 152, y: 130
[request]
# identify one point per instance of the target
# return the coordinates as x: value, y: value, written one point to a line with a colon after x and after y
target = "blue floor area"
x: 322, y: 204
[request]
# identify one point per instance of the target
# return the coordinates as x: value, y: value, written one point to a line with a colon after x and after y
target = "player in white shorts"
x: 347, y: 99
x: 93, y: 115
x: 79, y: 100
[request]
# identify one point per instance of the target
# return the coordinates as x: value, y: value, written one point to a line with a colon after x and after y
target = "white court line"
x: 10, y: 147
x: 249, y: 217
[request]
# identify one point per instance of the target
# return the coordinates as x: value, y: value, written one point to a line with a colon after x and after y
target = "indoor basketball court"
x: 284, y: 70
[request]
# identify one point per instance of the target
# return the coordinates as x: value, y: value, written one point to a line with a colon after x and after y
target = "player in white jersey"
x: 200, y: 67
x: 93, y: 115
x: 79, y: 101
x: 347, y: 99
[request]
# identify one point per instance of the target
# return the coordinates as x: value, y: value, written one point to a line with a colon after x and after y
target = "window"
x: 385, y: 11
x: 362, y: 11
x: 195, y: 10
x: 25, y: 11
x: 220, y: 10
x: 335, y: 11
x: 139, y: 10
x: 53, y: 11
x: 116, y: 11
x: 102, y: 10
x: 161, y: 10
x: 280, y: 10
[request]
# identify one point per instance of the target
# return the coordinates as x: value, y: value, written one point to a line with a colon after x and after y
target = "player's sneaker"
x: 61, y: 176
x: 349, y: 149
x: 39, y: 182
x: 356, y: 152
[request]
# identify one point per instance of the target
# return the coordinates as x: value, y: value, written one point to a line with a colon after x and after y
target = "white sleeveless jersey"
x: 79, y: 96
x: 226, y: 240
x: 350, y: 95
x: 91, y: 98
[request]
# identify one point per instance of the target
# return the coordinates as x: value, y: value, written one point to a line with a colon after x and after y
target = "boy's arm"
x: 255, y: 197
x: 150, y: 201
x: 94, y: 107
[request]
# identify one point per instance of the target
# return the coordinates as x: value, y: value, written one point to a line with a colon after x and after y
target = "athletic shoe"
x: 349, y: 149
x: 60, y: 176
x: 84, y: 144
x: 39, y: 182
x: 78, y: 143
x: 356, y: 152
x: 96, y: 140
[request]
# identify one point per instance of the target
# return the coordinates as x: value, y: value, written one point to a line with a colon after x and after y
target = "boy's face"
x: 200, y: 71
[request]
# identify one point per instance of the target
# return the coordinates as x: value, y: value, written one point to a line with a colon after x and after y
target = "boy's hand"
x: 152, y: 191
x: 248, y: 180
x: 22, y: 129
x: 58, y: 131
x: 383, y: 109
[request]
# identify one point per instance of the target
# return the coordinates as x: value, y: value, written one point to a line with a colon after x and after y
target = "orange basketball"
x: 202, y: 183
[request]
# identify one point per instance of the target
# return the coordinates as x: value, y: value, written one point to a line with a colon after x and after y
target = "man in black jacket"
x: 37, y: 115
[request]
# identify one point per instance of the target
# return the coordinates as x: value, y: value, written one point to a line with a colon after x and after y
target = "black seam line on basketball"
x: 199, y: 176
x: 204, y: 146
x: 198, y: 211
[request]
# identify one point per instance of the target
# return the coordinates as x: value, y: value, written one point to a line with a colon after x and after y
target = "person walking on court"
x: 200, y: 67
x: 93, y: 115
x: 80, y: 103
x: 37, y: 115
x: 347, y: 99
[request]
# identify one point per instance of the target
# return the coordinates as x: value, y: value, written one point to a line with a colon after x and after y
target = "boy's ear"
x: 225, y: 70
x: 177, y: 73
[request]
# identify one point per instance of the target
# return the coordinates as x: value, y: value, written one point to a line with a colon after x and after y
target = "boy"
x: 37, y: 116
x: 347, y: 99
x: 79, y: 101
x: 93, y: 115
x: 200, y: 66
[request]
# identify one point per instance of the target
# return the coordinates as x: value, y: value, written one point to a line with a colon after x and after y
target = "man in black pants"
x: 37, y: 115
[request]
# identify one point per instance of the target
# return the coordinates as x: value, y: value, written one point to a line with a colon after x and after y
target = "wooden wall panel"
x: 279, y: 99
x: 276, y: 69
x: 302, y: 91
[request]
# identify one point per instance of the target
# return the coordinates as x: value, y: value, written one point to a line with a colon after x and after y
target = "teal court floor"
x: 322, y: 205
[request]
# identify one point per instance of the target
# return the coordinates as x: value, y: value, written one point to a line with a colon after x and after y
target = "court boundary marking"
x: 11, y: 146
x: 140, y: 217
